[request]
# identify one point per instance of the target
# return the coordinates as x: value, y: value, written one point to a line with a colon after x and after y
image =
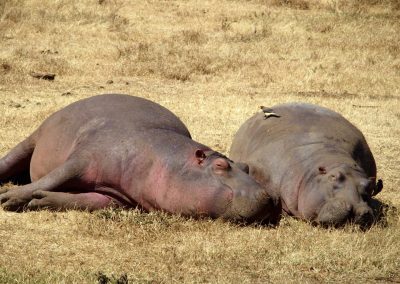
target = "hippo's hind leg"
x: 64, y: 176
x: 15, y: 165
x: 69, y: 201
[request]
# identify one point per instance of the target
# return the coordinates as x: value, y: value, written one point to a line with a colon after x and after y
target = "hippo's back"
x: 294, y: 125
x: 126, y: 112
x: 308, y: 121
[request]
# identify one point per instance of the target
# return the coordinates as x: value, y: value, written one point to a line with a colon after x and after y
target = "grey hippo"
x: 315, y: 160
x: 124, y: 151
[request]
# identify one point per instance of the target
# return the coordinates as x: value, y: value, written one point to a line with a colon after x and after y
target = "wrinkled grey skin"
x: 316, y: 161
x: 124, y: 151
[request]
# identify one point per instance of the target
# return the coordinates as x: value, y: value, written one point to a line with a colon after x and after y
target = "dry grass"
x: 212, y: 63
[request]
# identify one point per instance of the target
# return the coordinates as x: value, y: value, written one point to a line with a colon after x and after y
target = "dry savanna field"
x: 213, y: 63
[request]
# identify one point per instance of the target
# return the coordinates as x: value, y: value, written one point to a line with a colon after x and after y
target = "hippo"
x: 315, y: 160
x: 123, y: 151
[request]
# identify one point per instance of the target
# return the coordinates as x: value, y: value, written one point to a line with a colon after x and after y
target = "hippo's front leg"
x: 17, y: 199
x: 70, y: 201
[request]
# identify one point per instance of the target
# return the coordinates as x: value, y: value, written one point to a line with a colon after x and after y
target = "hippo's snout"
x: 338, y: 211
x: 254, y: 206
x: 335, y: 211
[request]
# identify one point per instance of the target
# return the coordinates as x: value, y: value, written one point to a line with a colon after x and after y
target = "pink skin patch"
x: 181, y: 194
x: 92, y: 200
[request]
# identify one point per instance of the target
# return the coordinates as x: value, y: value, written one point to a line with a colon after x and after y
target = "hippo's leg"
x: 15, y: 165
x: 70, y: 201
x: 61, y: 177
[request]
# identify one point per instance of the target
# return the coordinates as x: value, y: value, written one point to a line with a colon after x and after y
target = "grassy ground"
x: 212, y: 63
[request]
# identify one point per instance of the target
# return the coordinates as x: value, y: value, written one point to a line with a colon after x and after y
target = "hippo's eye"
x: 221, y: 165
x: 322, y: 170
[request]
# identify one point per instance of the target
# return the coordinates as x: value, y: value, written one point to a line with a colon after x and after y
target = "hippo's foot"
x: 18, y: 199
x: 61, y: 201
x: 15, y: 199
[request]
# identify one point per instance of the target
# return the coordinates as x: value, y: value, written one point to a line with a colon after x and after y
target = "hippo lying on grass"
x: 314, y: 159
x: 124, y: 151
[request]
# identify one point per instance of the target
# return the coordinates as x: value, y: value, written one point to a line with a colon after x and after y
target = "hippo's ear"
x: 243, y: 166
x: 200, y: 155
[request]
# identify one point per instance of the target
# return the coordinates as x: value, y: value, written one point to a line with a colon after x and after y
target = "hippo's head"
x: 224, y: 189
x: 342, y: 193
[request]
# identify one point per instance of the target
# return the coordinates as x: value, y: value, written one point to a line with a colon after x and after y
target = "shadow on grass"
x: 21, y: 179
x: 382, y: 211
x: 104, y: 279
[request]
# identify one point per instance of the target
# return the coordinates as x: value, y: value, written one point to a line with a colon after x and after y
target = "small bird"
x: 268, y: 112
